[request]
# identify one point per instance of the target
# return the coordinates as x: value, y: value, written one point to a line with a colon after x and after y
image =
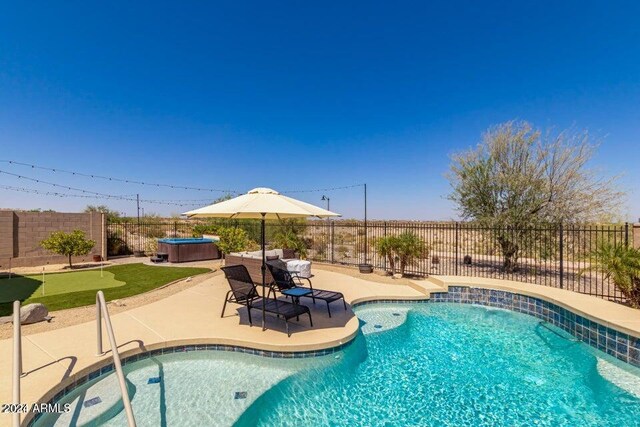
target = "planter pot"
x: 138, y: 254
x: 365, y: 268
x: 97, y: 258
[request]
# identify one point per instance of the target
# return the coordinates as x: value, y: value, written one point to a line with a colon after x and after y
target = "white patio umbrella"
x: 263, y: 204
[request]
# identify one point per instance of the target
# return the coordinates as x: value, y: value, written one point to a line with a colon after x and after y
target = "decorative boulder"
x: 33, y: 313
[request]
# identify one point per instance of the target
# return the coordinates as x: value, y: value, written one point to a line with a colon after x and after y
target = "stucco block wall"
x: 22, y: 232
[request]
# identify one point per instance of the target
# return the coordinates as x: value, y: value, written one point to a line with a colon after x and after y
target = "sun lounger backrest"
x: 240, y: 282
x: 281, y: 277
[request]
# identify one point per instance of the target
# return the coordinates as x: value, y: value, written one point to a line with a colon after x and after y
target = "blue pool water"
x: 412, y: 364
x: 183, y: 241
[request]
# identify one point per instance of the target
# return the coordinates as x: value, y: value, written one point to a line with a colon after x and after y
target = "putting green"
x: 78, y: 288
x: 25, y: 287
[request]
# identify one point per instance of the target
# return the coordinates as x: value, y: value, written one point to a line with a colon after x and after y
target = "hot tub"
x: 184, y: 249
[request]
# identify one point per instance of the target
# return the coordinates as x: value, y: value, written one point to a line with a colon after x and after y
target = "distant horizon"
x: 302, y: 97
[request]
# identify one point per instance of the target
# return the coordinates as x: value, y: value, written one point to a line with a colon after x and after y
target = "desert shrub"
x: 233, y: 239
x: 621, y: 264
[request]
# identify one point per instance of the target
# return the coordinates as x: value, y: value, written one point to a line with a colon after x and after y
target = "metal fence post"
x: 626, y: 234
x: 457, y: 243
x: 561, y: 257
x: 175, y: 228
x: 384, y: 258
x: 333, y: 243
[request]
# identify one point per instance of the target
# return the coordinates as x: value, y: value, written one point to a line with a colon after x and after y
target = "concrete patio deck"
x: 191, y: 316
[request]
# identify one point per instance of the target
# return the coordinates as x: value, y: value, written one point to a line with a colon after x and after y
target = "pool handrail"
x: 17, y: 361
x: 103, y: 313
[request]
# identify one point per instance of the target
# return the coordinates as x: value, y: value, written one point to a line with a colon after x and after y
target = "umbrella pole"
x: 263, y: 268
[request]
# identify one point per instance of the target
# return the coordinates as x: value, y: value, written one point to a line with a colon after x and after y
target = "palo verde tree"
x: 518, y: 178
x: 68, y: 244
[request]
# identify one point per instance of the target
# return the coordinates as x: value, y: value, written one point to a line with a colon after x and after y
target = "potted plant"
x: 365, y: 268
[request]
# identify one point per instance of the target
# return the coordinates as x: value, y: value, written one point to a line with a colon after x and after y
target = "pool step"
x: 620, y: 377
x: 99, y: 403
x: 380, y: 319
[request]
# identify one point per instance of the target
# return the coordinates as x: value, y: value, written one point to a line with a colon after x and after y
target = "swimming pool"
x: 412, y: 364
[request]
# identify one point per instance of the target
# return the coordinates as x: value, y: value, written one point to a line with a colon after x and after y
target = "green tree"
x: 385, y: 246
x: 232, y: 239
x: 518, y: 178
x: 622, y: 265
x: 111, y: 215
x: 69, y: 244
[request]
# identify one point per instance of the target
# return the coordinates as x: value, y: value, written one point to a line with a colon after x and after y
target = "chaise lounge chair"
x: 285, y: 282
x: 244, y: 292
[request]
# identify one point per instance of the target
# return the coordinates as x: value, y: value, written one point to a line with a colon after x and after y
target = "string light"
x: 317, y: 190
x: 114, y: 179
x: 154, y: 184
x: 98, y: 196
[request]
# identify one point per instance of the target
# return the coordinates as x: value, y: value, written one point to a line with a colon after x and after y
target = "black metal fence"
x: 550, y: 255
x: 555, y: 256
x: 123, y: 238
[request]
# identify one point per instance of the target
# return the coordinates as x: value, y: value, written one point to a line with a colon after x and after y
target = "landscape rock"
x: 30, y: 313
x: 33, y: 313
x: 397, y: 276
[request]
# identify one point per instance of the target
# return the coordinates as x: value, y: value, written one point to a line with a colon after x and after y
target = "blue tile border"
x: 62, y: 392
x: 618, y: 344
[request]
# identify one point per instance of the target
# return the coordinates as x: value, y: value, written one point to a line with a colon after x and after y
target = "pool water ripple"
x: 449, y: 364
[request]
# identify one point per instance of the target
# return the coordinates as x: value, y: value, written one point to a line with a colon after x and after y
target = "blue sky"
x: 295, y: 95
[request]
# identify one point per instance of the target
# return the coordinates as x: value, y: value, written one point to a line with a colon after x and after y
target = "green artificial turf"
x: 25, y: 287
x: 78, y: 288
